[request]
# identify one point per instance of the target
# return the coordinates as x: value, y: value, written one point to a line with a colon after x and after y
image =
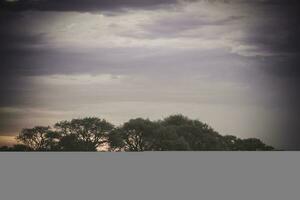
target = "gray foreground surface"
x: 150, y: 176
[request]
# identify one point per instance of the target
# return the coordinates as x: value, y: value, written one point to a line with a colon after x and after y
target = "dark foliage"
x: 16, y: 147
x: 174, y: 133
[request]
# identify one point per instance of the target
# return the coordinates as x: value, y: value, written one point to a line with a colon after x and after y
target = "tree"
x: 87, y: 134
x: 16, y: 147
x: 168, y: 139
x: 176, y: 120
x: 37, y: 138
x: 134, y: 135
x: 174, y: 133
x: 230, y: 143
x: 4, y: 148
x: 199, y: 136
x: 251, y: 144
x: 20, y: 147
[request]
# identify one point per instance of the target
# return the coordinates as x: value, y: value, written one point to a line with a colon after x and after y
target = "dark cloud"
x: 81, y: 5
x: 14, y: 46
x: 102, y: 5
x: 276, y: 28
x: 278, y: 2
x: 277, y: 31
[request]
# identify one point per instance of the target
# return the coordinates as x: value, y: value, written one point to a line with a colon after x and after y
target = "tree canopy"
x: 174, y: 133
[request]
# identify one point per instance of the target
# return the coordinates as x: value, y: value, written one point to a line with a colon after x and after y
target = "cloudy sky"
x: 230, y: 63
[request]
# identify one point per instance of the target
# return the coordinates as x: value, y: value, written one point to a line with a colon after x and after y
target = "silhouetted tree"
x: 168, y: 139
x: 134, y: 135
x: 251, y: 144
x: 4, y: 148
x: 198, y: 135
x: 38, y: 138
x: 16, y: 147
x: 174, y: 133
x: 87, y: 134
x: 230, y: 142
x: 20, y: 147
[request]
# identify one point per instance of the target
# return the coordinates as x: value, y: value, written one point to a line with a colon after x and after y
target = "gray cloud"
x: 170, y: 27
x: 222, y: 62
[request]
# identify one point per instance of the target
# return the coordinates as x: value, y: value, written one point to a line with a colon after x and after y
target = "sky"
x: 233, y: 64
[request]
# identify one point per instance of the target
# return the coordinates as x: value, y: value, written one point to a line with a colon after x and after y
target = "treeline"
x: 174, y: 133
